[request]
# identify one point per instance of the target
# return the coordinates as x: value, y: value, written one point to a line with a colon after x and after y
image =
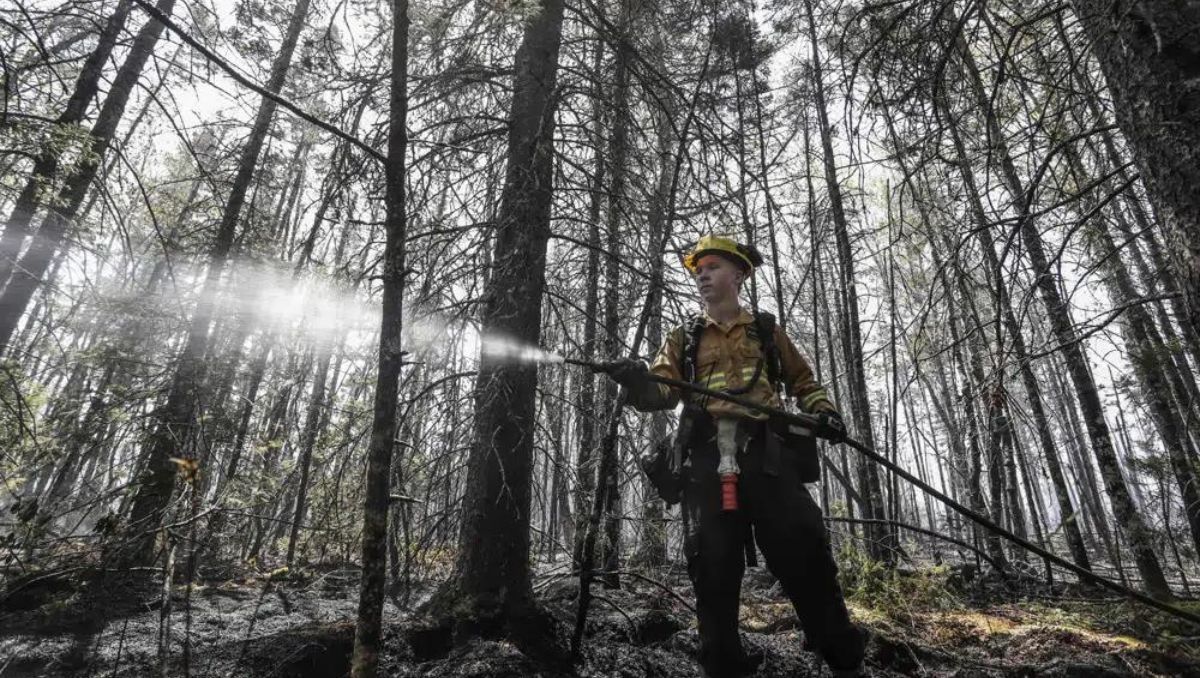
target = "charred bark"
x: 1150, y: 55
x: 490, y: 590
x: 368, y: 630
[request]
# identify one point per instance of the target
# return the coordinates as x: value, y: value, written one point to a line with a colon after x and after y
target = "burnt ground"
x: 300, y: 625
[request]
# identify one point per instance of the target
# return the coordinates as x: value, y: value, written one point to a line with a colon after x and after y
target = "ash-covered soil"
x: 301, y: 626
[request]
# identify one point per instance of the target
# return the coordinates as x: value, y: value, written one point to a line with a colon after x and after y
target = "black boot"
x: 746, y: 665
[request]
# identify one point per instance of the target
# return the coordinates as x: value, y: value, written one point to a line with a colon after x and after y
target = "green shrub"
x: 889, y: 590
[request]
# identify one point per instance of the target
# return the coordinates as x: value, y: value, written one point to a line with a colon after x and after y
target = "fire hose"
x: 812, y: 423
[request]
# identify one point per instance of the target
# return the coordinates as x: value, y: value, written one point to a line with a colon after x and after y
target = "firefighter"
x: 740, y: 479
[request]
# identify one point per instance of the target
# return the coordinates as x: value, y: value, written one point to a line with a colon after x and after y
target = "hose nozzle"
x: 729, y: 497
x: 727, y: 468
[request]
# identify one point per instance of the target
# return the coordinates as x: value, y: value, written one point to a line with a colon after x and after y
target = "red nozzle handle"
x: 729, y: 492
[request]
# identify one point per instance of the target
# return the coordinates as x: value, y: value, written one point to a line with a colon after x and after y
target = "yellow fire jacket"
x: 726, y: 360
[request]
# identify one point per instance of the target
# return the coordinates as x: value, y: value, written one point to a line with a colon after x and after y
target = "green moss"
x: 893, y: 592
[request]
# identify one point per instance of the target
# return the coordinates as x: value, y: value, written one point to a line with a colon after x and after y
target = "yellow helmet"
x: 745, y: 256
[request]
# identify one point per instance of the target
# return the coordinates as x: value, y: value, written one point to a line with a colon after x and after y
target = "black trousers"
x: 789, y: 529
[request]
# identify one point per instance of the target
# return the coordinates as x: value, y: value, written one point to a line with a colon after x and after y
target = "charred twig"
x: 628, y: 619
x: 636, y: 575
x: 186, y: 521
x: 258, y: 89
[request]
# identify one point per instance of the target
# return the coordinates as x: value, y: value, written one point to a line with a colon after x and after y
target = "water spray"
x: 511, y: 350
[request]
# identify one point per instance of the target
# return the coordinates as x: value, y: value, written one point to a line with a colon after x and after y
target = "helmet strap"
x: 753, y: 291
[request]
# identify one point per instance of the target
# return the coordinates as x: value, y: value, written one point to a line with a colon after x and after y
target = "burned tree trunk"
x: 491, y: 582
x: 652, y: 549
x: 882, y: 536
x: 369, y: 628
x: 585, y: 464
x: 308, y: 441
x: 1150, y: 55
x: 618, y: 153
x: 1146, y: 355
x: 559, y: 510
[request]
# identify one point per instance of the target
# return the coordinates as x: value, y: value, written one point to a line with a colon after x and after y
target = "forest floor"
x: 300, y: 625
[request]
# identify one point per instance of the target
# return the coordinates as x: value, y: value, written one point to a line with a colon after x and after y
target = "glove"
x: 629, y: 373
x: 831, y: 426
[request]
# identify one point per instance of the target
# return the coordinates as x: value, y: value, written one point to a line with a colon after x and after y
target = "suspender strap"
x: 691, y: 350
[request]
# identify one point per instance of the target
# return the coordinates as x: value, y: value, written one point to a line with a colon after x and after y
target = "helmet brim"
x: 693, y: 259
x: 746, y: 257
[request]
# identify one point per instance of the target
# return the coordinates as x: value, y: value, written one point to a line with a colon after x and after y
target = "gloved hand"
x: 832, y: 426
x: 629, y: 373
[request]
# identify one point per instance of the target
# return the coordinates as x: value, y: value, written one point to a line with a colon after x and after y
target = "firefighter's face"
x: 717, y: 278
